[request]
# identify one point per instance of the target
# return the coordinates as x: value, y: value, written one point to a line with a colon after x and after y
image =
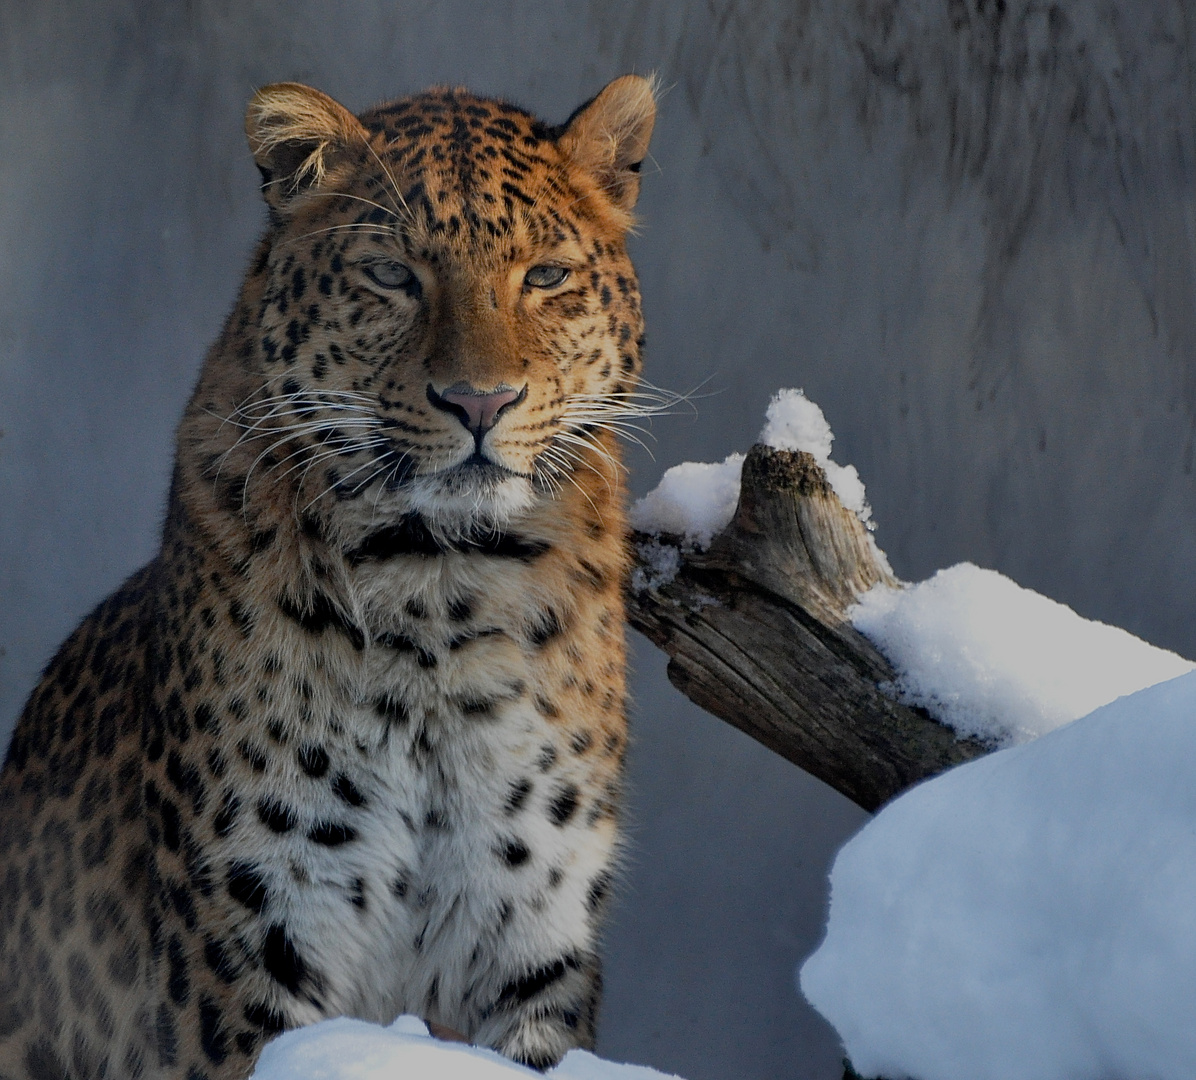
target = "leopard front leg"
x: 542, y: 1012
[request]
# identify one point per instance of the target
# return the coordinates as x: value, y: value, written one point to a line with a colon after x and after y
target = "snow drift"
x: 345, y: 1049
x: 1029, y: 915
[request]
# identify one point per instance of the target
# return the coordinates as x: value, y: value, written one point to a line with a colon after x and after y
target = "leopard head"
x: 442, y: 318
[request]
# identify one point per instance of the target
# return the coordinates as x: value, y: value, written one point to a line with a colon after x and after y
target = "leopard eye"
x: 545, y: 277
x: 389, y: 274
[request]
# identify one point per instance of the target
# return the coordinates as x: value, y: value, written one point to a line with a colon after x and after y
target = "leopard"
x: 353, y: 742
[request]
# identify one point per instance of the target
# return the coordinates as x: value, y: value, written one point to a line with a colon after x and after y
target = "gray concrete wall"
x: 966, y: 228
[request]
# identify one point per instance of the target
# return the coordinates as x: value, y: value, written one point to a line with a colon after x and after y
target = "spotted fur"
x: 352, y: 743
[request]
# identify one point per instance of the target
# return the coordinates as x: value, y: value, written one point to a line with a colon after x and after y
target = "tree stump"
x: 757, y: 633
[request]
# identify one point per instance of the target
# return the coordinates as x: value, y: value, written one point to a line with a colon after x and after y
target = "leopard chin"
x: 472, y: 496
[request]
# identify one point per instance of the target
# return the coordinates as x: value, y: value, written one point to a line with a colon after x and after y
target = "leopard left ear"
x: 608, y: 136
x: 297, y: 135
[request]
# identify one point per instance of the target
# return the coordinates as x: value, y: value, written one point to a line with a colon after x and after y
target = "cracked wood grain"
x: 757, y: 633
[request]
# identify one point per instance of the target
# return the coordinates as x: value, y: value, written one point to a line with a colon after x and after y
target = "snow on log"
x: 758, y: 633
x: 761, y: 580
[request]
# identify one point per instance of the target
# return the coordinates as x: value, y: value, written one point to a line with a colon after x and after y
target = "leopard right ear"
x: 298, y: 136
x: 608, y: 136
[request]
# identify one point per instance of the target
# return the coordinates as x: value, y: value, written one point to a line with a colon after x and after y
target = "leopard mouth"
x: 475, y: 491
x: 478, y: 470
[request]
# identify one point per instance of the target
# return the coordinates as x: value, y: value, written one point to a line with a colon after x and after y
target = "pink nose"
x: 477, y: 409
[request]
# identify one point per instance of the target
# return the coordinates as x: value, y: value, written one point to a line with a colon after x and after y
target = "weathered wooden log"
x: 757, y: 633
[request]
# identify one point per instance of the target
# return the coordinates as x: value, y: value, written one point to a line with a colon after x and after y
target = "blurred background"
x: 965, y: 227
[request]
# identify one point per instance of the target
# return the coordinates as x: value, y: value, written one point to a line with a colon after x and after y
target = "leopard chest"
x: 422, y: 787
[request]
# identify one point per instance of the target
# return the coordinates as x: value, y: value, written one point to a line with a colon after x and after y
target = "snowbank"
x: 354, y: 1050
x: 1029, y: 915
x: 995, y: 660
x: 696, y: 500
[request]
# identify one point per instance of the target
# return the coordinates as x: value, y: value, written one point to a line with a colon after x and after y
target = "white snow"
x: 794, y: 422
x: 696, y: 500
x: 995, y: 660
x: 345, y: 1049
x: 657, y: 565
x: 1029, y: 915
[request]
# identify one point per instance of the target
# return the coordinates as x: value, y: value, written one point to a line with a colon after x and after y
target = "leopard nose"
x: 478, y: 410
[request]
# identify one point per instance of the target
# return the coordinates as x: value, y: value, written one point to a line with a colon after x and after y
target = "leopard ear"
x: 297, y: 136
x: 608, y: 136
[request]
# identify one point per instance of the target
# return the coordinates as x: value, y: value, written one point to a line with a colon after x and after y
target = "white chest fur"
x: 431, y: 832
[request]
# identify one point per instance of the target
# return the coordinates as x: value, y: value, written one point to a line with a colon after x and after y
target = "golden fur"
x: 352, y: 743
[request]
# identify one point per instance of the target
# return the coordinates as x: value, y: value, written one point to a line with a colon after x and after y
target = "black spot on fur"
x: 598, y: 890
x: 517, y: 796
x: 545, y: 629
x: 282, y: 960
x: 275, y: 816
x: 203, y: 717
x: 105, y: 737
x: 264, y: 1019
x: 219, y: 962
x: 42, y: 1063
x: 247, y: 1042
x: 402, y: 643
x: 347, y: 791
x: 97, y: 842
x: 331, y: 834
x: 222, y: 823
x: 212, y: 1035
x: 514, y: 853
x: 411, y: 536
x: 167, y: 1036
x: 242, y: 618
x: 262, y: 540
x: 247, y: 886
x: 216, y: 762
x: 521, y: 990
x: 507, y: 546
x: 392, y: 709
x: 563, y: 805
x: 313, y: 760
x: 321, y: 615
x: 178, y: 982
x: 254, y: 756
x: 183, y: 903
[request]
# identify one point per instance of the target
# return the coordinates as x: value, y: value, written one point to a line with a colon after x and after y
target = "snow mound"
x: 1029, y: 915
x: 345, y: 1049
x: 794, y: 422
x: 696, y: 500
x: 1004, y: 663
